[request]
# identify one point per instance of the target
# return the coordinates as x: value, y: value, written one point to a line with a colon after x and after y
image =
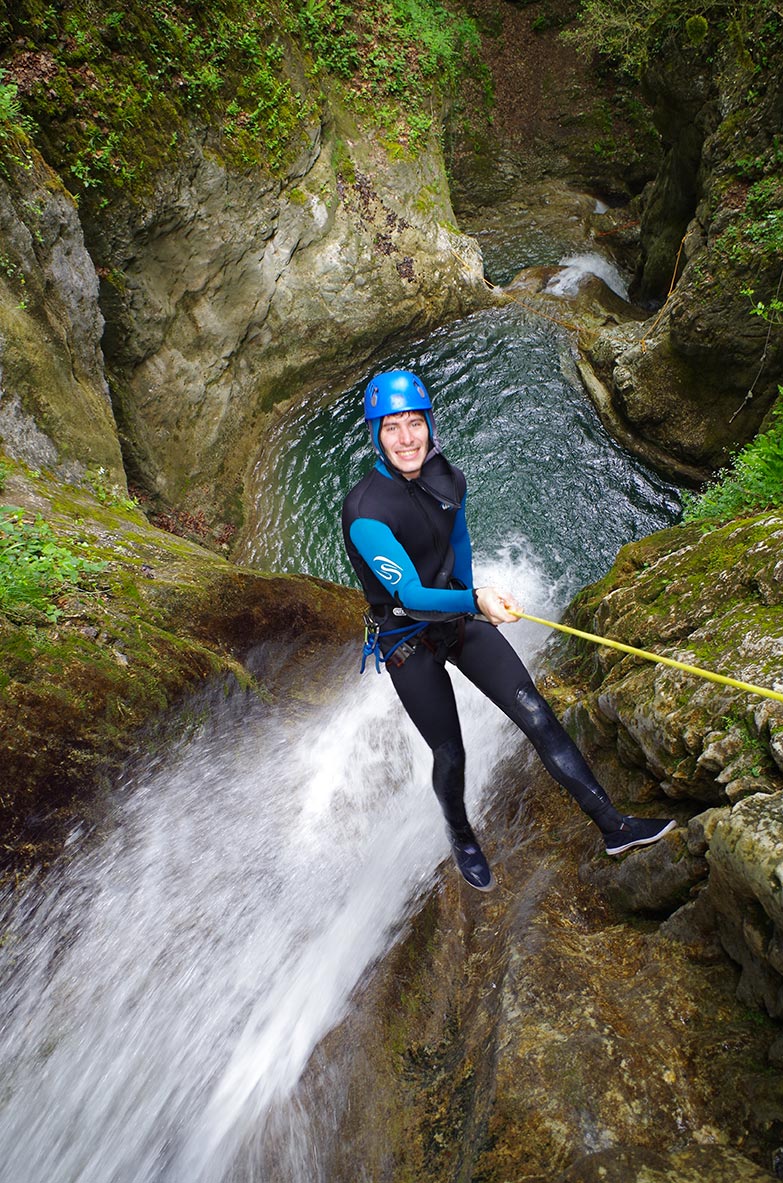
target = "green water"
x: 549, y: 490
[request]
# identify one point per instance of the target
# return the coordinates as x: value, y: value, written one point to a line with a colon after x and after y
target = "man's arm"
x: 392, y: 567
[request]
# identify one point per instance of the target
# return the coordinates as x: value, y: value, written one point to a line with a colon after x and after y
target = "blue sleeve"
x: 391, y: 566
x: 460, y: 544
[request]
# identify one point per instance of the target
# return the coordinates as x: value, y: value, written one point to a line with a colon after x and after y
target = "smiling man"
x: 407, y: 539
x: 405, y: 440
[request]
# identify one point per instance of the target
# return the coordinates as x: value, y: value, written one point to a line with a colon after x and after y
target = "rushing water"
x: 164, y: 988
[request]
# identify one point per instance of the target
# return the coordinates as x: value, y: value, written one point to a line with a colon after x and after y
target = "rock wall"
x: 55, y: 410
x: 699, y: 376
x: 130, y: 660
x: 711, y: 600
x: 225, y: 287
x: 535, y: 1033
x: 529, y: 1035
x: 235, y: 292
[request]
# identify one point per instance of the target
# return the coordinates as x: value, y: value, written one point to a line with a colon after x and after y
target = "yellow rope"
x: 575, y: 632
x: 656, y: 657
x: 665, y: 304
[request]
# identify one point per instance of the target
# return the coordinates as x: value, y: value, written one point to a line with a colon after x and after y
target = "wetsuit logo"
x: 387, y: 569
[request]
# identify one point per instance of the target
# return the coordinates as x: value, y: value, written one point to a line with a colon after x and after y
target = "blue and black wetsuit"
x: 408, y: 543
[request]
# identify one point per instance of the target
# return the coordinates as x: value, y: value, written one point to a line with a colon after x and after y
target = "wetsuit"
x: 408, y: 543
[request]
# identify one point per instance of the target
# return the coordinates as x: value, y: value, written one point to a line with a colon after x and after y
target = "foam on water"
x: 575, y: 268
x: 165, y: 988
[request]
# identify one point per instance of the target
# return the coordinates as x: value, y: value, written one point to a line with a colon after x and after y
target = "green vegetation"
x: 392, y: 49
x: 107, y: 494
x: 696, y: 29
x: 753, y: 482
x: 36, y: 569
x: 755, y: 237
x: 11, y: 118
x: 628, y: 34
x: 109, y: 93
x: 109, y: 90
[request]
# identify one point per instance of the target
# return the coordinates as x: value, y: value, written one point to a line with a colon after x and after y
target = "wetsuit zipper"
x: 421, y: 509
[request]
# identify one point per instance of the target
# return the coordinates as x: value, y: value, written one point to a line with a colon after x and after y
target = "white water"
x: 575, y: 268
x: 164, y: 989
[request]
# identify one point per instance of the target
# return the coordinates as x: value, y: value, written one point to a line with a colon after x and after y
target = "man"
x: 407, y: 539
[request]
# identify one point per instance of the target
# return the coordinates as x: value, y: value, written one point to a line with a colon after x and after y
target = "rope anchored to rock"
x: 764, y: 691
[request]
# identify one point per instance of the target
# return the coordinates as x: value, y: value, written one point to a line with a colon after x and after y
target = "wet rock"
x: 655, y: 880
x: 746, y: 891
x: 694, y: 1165
x: 574, y: 295
x: 530, y: 1035
x: 80, y: 697
x: 232, y: 292
x: 54, y: 402
x: 694, y: 926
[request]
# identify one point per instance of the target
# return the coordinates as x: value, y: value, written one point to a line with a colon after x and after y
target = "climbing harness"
x: 656, y: 657
x: 400, y: 651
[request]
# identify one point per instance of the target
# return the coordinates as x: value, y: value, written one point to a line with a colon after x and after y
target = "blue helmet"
x: 393, y: 392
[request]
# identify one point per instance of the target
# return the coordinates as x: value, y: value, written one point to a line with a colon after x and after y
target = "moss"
x: 116, y: 91
x: 166, y: 619
x: 113, y: 91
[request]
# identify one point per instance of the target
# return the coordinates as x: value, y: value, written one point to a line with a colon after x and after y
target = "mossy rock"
x: 165, y: 620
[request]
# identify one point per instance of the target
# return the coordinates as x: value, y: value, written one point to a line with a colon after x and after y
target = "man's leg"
x: 424, y: 689
x: 492, y: 665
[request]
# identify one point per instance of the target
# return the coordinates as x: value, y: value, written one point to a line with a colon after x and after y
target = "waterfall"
x: 165, y: 986
x: 575, y: 268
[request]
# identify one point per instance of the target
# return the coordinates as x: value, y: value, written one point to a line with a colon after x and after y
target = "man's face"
x: 405, y: 439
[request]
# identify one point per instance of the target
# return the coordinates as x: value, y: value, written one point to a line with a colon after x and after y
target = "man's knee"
x: 531, y: 710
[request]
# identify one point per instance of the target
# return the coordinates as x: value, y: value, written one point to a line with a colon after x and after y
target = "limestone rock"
x: 234, y: 292
x: 701, y: 373
x: 529, y: 1035
x: 653, y: 881
x: 710, y: 600
x: 54, y: 402
x: 694, y: 1165
x: 746, y: 891
x: 693, y: 597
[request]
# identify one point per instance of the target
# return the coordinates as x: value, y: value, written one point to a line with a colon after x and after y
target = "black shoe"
x: 469, y: 857
x: 637, y: 831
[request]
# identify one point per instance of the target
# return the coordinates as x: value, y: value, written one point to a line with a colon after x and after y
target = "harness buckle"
x: 400, y: 654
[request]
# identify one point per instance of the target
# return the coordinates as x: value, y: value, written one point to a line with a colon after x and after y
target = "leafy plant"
x: 771, y: 312
x: 696, y: 29
x: 752, y: 483
x: 36, y: 568
x: 626, y: 34
x: 15, y: 126
x: 108, y: 494
x: 399, y: 50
